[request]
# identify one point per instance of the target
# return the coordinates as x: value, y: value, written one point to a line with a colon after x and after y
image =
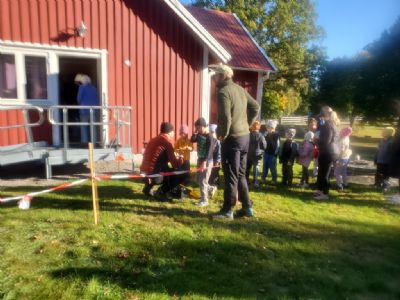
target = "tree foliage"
x: 366, y: 84
x: 285, y: 30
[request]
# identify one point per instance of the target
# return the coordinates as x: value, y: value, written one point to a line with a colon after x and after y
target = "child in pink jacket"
x: 306, y: 155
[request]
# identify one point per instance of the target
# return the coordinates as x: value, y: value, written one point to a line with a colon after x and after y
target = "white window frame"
x: 53, y: 53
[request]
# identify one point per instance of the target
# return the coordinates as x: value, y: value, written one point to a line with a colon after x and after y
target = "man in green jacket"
x: 236, y: 112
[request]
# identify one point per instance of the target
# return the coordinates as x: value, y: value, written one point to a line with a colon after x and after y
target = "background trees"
x: 364, y: 85
x: 285, y: 30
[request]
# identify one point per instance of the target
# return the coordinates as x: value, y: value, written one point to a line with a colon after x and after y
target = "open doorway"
x: 68, y: 68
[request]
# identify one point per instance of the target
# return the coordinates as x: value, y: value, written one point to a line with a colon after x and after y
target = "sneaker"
x: 202, y: 203
x: 245, y: 212
x: 225, y: 215
x: 322, y: 197
x: 306, y: 185
x: 256, y: 185
x: 340, y: 188
x: 211, y: 191
x: 300, y: 184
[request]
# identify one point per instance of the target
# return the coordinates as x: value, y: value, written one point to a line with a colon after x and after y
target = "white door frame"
x: 53, y: 53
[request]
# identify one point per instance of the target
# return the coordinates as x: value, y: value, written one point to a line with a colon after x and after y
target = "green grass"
x: 295, y: 248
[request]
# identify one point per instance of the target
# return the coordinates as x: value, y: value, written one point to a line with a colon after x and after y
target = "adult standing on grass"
x: 328, y: 150
x: 237, y: 110
x: 395, y: 158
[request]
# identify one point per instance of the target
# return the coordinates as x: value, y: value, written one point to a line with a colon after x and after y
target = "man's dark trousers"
x: 234, y: 160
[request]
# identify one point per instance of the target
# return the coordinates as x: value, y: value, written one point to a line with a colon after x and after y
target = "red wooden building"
x: 151, y: 55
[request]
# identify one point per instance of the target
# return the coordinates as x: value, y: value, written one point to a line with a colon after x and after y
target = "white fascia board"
x: 215, y: 47
x: 275, y: 69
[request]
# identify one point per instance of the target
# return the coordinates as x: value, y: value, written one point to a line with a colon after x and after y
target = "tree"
x: 285, y: 30
x: 366, y: 84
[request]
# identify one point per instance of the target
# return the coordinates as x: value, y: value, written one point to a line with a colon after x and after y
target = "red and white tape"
x: 33, y: 194
x: 28, y: 197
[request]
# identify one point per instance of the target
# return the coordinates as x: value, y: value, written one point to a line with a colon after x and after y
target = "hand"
x: 203, y: 165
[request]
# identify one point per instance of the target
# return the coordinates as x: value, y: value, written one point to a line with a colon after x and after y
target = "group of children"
x: 265, y: 144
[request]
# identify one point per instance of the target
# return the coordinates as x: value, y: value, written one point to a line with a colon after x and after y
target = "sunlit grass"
x: 348, y: 247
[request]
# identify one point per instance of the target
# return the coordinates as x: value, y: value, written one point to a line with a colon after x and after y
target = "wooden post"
x: 94, y: 186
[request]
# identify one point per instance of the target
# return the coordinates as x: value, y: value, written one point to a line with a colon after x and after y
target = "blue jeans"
x: 269, y: 163
x: 254, y: 162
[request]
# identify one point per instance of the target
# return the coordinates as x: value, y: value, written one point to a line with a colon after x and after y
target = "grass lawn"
x: 345, y: 248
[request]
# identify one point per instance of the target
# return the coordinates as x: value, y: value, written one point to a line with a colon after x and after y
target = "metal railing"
x: 100, y: 117
x: 27, y: 123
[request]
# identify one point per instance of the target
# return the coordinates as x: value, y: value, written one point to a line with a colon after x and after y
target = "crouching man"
x: 158, y: 153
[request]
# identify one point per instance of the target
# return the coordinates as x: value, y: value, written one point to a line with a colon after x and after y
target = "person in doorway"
x: 158, y: 153
x: 87, y: 96
x: 237, y: 110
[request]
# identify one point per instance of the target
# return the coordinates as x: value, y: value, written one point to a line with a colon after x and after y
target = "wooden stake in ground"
x: 95, y: 198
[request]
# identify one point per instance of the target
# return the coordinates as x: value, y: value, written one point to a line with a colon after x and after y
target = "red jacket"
x: 158, y: 153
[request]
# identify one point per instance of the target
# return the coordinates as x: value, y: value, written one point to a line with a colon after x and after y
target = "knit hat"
x: 346, y: 131
x: 212, y: 127
x: 309, y: 136
x: 272, y: 124
x: 389, y: 131
x: 184, y: 129
x: 223, y: 69
x: 200, y: 122
x: 166, y: 127
x: 291, y: 133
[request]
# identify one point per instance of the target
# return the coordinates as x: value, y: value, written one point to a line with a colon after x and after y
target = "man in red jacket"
x: 158, y: 153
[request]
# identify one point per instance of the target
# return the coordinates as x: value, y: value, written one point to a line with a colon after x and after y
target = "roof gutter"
x: 215, y: 47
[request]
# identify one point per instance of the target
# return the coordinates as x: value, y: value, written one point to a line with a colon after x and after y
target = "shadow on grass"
x: 347, y: 264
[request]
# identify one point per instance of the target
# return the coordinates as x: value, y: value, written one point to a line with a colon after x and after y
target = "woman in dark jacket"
x: 328, y: 151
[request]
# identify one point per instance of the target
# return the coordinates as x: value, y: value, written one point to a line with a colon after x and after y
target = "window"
x: 8, y: 77
x: 36, y: 77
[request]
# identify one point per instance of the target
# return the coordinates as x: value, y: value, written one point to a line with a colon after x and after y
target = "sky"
x: 350, y: 25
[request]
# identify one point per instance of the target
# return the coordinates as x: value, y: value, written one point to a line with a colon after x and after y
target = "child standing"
x: 306, y: 155
x: 214, y: 177
x: 344, y: 158
x: 313, y: 127
x: 382, y: 158
x: 205, y: 149
x: 288, y: 154
x: 183, y: 146
x: 271, y: 152
x: 257, y: 146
